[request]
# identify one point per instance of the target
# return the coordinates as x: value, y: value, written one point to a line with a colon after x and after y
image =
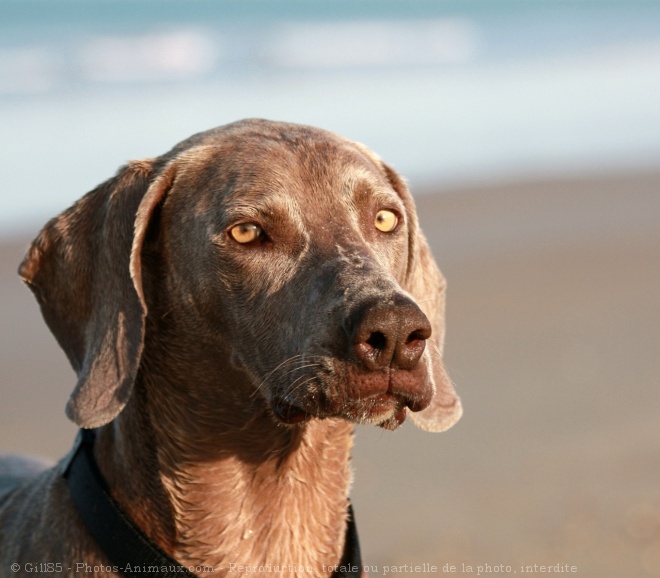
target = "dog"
x: 231, y: 309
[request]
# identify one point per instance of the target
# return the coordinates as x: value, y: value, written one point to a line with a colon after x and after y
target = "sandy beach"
x: 554, y: 344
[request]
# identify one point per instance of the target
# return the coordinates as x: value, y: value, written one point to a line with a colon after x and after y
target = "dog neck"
x: 218, y: 482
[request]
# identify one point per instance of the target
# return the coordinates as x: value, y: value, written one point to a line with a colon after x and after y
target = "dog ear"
x: 427, y: 286
x: 85, y: 271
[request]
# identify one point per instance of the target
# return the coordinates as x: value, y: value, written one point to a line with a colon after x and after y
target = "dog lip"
x: 288, y: 413
x: 381, y: 401
x: 392, y: 406
x: 400, y: 416
x: 416, y: 405
x: 382, y: 404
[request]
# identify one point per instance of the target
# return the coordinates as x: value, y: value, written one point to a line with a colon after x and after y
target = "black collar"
x: 127, y: 547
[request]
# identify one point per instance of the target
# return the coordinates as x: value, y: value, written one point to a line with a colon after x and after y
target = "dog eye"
x: 245, y: 233
x: 386, y: 221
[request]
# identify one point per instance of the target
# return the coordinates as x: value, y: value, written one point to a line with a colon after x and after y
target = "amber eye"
x: 245, y: 233
x: 386, y: 221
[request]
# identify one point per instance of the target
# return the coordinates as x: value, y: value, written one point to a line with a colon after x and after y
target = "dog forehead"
x: 255, y: 132
x: 255, y: 143
x: 309, y: 169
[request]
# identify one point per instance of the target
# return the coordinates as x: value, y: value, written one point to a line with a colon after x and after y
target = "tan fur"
x: 225, y: 379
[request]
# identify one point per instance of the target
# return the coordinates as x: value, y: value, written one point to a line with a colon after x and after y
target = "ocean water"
x: 448, y: 92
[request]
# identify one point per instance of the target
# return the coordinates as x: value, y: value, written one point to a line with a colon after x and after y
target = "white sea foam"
x: 172, y: 55
x: 448, y: 100
x: 28, y: 70
x: 373, y: 43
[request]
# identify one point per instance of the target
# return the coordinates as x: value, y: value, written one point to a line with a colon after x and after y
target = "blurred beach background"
x: 529, y: 132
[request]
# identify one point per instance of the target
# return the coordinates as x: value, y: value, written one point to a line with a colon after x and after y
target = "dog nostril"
x: 377, y: 340
x: 391, y: 334
x: 418, y: 335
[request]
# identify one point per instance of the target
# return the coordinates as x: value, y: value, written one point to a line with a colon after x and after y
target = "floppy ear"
x: 85, y: 271
x: 427, y: 285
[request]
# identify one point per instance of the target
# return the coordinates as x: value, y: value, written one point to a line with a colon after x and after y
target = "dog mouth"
x: 385, y: 410
x: 289, y: 413
x: 351, y: 392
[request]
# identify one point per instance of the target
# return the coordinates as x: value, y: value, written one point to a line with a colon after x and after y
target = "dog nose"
x: 392, y: 333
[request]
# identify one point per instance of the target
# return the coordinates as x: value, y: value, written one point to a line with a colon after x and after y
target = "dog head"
x: 294, y: 249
